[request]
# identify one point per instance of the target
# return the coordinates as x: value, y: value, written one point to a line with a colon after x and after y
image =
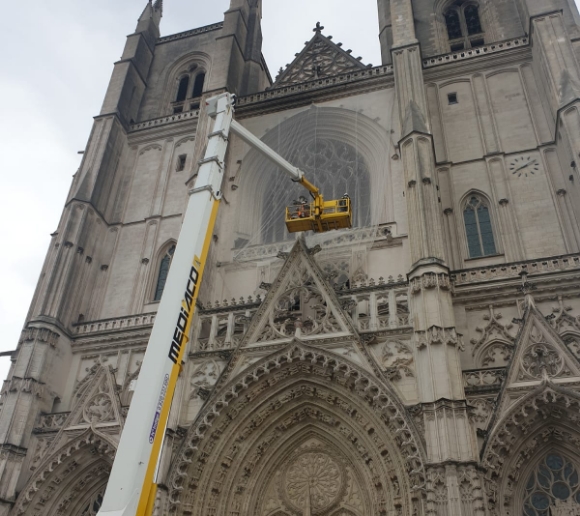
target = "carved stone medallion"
x: 539, y: 357
x: 99, y: 409
x: 314, y: 482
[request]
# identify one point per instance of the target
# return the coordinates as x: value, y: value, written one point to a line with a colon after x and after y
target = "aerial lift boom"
x: 132, y: 486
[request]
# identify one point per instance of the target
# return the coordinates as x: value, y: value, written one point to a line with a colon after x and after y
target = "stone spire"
x: 158, y: 6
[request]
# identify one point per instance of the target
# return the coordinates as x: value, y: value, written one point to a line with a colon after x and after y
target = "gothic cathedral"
x: 424, y: 363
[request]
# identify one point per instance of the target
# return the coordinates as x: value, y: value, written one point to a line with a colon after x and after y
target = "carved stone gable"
x: 320, y: 58
x: 540, y: 355
x: 300, y: 304
x: 97, y: 406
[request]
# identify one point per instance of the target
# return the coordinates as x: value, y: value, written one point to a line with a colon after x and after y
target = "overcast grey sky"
x: 57, y: 59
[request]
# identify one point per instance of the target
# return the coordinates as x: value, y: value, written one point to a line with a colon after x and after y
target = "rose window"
x: 314, y: 482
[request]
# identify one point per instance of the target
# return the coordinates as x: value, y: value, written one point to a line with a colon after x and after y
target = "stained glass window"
x: 163, y: 271
x: 555, y: 478
x: 478, y: 228
x: 333, y: 166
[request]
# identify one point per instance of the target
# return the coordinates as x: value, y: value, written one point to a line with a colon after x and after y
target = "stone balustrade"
x: 165, y: 120
x: 121, y: 323
x: 513, y: 270
x: 475, y: 380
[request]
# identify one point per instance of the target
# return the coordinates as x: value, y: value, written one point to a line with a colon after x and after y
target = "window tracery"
x: 463, y: 24
x: 335, y: 167
x: 478, y: 228
x: 163, y: 272
x: 553, y: 485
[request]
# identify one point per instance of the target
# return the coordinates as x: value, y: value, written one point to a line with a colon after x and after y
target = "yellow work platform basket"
x: 333, y: 215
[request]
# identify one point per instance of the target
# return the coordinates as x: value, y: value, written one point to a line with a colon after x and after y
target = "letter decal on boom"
x: 186, y: 311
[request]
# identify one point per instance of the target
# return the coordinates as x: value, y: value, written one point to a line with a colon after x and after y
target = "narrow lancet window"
x: 198, y: 85
x: 163, y: 271
x: 478, y: 228
x: 182, y: 90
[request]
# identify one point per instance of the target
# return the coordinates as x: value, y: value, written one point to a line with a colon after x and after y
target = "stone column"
x: 557, y: 71
x: 26, y: 392
x: 449, y: 436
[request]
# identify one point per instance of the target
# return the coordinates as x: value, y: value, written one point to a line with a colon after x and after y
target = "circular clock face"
x: 523, y: 166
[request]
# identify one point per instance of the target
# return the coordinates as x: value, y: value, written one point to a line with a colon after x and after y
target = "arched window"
x: 335, y: 167
x: 553, y: 488
x: 163, y: 271
x: 463, y: 26
x: 478, y: 228
x: 198, y: 85
x: 182, y: 90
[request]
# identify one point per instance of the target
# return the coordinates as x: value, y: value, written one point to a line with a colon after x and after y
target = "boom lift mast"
x: 132, y: 487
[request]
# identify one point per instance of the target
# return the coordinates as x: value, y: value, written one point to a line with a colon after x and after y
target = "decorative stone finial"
x: 158, y: 5
x: 318, y: 29
x: 526, y: 289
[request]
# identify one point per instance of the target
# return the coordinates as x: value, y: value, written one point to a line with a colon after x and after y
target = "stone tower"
x: 425, y: 363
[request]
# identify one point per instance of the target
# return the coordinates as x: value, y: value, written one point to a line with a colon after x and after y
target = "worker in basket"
x: 343, y: 203
x: 303, y: 209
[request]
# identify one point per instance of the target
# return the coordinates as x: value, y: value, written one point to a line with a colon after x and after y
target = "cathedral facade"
x: 424, y: 363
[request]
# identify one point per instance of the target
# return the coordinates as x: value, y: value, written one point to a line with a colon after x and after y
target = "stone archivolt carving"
x: 231, y: 441
x: 522, y: 430
x: 40, y: 496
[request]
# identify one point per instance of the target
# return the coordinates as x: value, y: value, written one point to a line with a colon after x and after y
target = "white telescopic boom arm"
x: 295, y: 173
x: 131, y: 489
x: 132, y: 485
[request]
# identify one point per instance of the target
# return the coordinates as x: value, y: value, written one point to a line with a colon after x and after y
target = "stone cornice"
x: 472, y: 53
x: 342, y: 85
x: 154, y: 123
x: 189, y: 33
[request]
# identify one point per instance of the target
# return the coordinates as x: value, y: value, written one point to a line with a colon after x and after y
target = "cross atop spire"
x: 318, y: 29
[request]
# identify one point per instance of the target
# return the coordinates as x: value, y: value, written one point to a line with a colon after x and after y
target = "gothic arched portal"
x: 300, y: 432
